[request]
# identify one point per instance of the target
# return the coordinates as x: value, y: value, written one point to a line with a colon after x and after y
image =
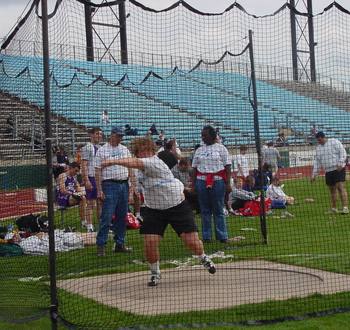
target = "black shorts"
x: 335, y: 176
x: 180, y: 217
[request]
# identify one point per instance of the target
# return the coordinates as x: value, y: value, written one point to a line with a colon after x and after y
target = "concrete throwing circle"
x: 194, y: 289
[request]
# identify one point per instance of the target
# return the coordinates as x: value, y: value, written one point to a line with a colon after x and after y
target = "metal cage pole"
x: 294, y: 40
x: 263, y: 225
x: 49, y: 176
x: 88, y: 32
x: 123, y: 35
x: 311, y: 41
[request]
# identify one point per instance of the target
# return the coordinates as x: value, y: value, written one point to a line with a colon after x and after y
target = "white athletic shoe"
x: 90, y: 228
x: 345, y: 210
x: 83, y: 224
x: 154, y: 280
x: 208, y: 265
x: 332, y: 211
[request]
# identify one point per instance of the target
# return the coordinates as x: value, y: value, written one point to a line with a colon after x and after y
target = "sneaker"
x: 208, y: 265
x: 90, y: 228
x: 345, y: 210
x: 332, y: 211
x: 83, y: 224
x: 101, y: 250
x: 121, y: 248
x: 154, y: 280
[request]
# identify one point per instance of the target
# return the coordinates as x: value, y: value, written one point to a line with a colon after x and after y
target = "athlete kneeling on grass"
x: 165, y: 204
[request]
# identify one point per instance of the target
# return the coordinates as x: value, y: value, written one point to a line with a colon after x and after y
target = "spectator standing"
x: 105, y: 118
x: 271, y: 157
x: 89, y: 152
x: 211, y: 177
x: 78, y: 154
x: 61, y: 163
x: 164, y: 204
x: 331, y: 157
x: 182, y: 172
x: 113, y: 190
x: 241, y: 164
x: 168, y: 155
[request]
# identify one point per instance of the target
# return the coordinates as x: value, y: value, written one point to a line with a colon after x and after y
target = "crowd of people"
x: 163, y: 187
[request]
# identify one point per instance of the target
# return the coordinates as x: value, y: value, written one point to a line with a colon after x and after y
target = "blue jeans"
x: 115, y: 202
x: 211, y: 202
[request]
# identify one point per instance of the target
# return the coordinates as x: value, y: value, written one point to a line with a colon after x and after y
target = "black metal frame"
x: 90, y: 30
x: 49, y: 168
x: 298, y: 36
x: 254, y: 103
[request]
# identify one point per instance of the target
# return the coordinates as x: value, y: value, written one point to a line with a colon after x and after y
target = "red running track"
x: 18, y: 203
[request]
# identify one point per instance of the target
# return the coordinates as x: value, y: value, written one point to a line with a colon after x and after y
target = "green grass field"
x: 311, y: 238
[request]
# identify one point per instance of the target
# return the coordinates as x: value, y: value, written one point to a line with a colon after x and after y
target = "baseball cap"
x: 117, y: 130
x: 320, y: 135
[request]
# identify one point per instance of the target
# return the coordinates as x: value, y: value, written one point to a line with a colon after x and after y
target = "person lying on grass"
x: 165, y: 204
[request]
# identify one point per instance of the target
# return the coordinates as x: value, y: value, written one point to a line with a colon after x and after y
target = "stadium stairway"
x: 20, y: 146
x: 322, y: 93
x: 316, y: 91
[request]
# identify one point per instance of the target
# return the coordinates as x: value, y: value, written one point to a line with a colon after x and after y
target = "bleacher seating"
x: 180, y: 103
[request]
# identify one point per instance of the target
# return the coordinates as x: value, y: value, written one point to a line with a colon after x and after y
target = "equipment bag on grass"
x: 10, y: 250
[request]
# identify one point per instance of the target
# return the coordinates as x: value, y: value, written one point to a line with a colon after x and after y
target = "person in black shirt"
x: 168, y: 155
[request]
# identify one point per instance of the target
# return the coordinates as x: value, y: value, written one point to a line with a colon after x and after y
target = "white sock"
x: 138, y: 214
x: 154, y: 267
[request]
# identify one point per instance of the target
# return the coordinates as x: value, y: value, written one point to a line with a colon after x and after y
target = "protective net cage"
x: 158, y: 118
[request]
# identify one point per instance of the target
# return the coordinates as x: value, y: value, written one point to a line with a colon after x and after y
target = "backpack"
x: 33, y: 223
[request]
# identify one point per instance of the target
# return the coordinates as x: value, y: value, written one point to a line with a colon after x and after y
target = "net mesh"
x: 186, y: 70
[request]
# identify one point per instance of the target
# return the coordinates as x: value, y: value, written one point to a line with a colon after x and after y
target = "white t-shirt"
x: 275, y: 192
x: 89, y: 152
x: 108, y: 152
x: 270, y: 156
x: 242, y: 161
x: 161, y: 190
x: 211, y: 158
x: 329, y: 156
